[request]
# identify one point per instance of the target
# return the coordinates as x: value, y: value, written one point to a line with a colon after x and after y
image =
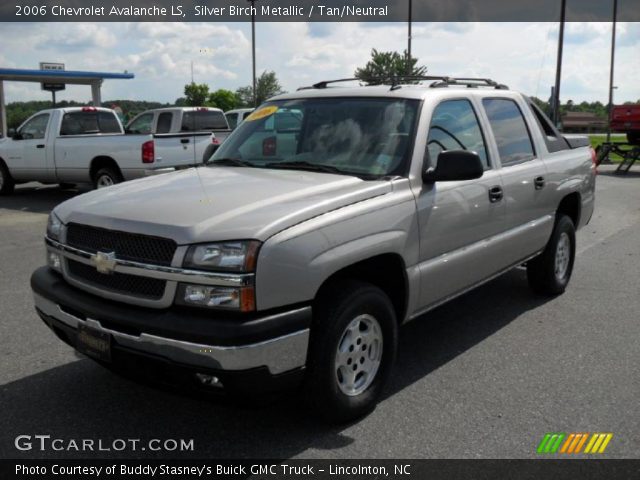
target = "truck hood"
x: 218, y: 203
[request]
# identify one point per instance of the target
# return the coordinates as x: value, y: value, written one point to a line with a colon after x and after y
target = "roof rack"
x: 471, y: 83
x: 439, y: 81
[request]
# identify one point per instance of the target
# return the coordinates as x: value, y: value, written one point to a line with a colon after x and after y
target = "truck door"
x: 524, y: 174
x: 461, y: 221
x: 32, y: 149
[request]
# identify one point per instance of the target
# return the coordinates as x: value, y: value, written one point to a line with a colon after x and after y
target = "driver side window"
x: 454, y: 126
x: 35, y: 128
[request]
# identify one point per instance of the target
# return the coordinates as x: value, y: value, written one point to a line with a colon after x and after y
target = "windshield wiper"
x: 230, y: 162
x: 313, y: 167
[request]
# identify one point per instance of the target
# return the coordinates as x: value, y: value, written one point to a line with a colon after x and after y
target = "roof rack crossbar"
x: 438, y: 81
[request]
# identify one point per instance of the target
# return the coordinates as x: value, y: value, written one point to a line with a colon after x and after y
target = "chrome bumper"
x: 278, y: 354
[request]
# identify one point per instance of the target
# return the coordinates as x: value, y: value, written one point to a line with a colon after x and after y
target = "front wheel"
x: 549, y: 273
x: 353, y: 347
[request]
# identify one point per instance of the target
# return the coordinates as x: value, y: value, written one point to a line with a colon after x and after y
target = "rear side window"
x: 509, y: 130
x: 203, y: 120
x: 164, y: 122
x: 232, y: 118
x: 141, y: 124
x: 86, y: 123
x: 454, y: 126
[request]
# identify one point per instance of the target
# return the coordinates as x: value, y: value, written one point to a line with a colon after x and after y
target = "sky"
x: 521, y: 55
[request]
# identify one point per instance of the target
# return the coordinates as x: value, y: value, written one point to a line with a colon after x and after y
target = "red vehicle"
x: 626, y: 119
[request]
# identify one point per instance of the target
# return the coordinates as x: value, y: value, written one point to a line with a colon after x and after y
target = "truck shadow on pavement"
x: 38, y: 198
x: 82, y: 400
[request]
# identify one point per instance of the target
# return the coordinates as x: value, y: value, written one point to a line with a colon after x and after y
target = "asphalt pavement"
x: 485, y: 376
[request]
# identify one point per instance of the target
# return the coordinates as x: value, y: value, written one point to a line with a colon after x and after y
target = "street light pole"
x: 613, y: 54
x: 253, y: 50
x: 556, y: 90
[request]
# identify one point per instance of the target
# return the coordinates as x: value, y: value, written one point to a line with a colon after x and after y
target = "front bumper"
x: 184, y: 337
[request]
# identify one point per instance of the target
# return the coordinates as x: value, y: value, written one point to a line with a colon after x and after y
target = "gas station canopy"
x: 55, y: 76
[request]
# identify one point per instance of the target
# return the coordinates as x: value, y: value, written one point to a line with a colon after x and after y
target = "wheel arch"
x: 386, y: 271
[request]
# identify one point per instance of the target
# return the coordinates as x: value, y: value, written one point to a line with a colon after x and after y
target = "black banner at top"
x: 315, y: 10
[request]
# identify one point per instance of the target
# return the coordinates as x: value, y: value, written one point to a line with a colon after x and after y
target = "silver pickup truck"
x: 330, y: 217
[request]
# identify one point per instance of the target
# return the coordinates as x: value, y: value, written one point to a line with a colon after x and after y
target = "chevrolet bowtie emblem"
x: 105, y: 262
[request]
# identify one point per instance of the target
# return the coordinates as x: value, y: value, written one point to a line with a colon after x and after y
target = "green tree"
x: 196, y: 94
x: 223, y: 99
x: 267, y: 86
x: 386, y: 65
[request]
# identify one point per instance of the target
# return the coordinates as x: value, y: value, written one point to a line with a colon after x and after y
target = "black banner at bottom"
x: 584, y: 469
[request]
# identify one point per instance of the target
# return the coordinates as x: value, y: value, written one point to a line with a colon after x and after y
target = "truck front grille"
x: 123, y: 283
x: 127, y: 246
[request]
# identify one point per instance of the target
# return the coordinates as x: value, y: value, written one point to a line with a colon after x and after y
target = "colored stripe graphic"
x: 573, y: 443
x: 550, y: 442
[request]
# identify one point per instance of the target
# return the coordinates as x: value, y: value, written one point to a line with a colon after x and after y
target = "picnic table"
x: 629, y: 152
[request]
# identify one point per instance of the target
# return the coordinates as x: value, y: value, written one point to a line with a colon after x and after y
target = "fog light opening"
x: 53, y: 259
x: 209, y: 380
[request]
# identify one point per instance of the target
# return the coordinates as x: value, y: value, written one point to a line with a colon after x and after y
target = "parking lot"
x: 485, y: 376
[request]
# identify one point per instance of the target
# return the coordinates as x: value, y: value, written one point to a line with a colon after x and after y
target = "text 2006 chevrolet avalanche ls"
x: 328, y: 218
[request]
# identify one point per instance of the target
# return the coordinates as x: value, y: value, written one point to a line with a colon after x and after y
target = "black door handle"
x: 538, y: 182
x: 41, y: 145
x: 184, y: 140
x: 495, y: 194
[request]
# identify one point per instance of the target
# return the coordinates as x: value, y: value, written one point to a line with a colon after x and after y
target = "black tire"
x: 344, y: 304
x: 104, y: 175
x: 7, y: 185
x: 547, y: 274
x: 633, y: 138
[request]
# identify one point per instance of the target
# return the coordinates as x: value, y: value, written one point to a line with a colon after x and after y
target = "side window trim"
x: 526, y: 125
x: 490, y: 163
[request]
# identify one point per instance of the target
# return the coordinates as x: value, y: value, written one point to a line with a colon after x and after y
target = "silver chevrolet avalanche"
x: 329, y: 217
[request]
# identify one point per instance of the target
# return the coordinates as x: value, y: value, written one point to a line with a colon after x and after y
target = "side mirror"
x: 454, y: 165
x: 11, y: 133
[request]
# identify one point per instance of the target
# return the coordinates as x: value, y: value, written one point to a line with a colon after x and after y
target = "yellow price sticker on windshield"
x: 263, y: 112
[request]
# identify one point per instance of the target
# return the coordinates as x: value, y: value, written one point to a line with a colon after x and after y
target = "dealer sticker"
x: 261, y: 113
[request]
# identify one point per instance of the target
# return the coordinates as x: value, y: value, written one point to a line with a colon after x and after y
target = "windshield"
x: 366, y: 137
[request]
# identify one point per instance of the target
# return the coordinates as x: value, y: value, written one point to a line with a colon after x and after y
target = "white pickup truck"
x: 207, y: 126
x: 88, y: 145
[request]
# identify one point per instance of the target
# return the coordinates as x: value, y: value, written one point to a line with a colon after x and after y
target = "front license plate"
x: 94, y: 343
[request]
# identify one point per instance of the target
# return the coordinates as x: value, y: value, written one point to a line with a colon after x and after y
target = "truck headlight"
x: 240, y: 299
x: 54, y: 227
x: 235, y: 256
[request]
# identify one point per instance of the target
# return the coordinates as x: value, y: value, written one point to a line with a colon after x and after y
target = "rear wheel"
x: 549, y: 273
x: 352, y: 350
x: 105, y: 177
x: 7, y: 184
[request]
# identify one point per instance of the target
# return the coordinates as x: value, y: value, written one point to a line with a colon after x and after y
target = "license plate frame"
x: 93, y: 343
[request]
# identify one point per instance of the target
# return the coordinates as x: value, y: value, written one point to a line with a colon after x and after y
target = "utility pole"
x: 556, y: 91
x: 409, y: 33
x: 613, y: 55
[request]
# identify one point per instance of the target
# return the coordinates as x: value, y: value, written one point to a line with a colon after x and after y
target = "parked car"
x: 296, y: 254
x: 626, y: 119
x: 207, y: 126
x: 86, y: 145
x: 236, y: 117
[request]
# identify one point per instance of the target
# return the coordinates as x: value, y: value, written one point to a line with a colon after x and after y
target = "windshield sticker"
x: 263, y: 112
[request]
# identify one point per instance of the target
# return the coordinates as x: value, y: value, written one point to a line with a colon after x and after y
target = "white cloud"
x: 160, y: 54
